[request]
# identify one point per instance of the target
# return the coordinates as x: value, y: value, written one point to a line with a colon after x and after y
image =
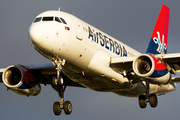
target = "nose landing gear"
x: 58, y: 82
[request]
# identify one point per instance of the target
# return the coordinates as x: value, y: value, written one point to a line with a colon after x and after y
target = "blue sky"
x: 129, y: 21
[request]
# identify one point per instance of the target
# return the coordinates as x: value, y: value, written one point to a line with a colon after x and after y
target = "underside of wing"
x: 46, y: 72
x: 43, y: 73
x: 138, y: 66
x: 175, y: 79
x: 172, y: 62
x: 122, y: 64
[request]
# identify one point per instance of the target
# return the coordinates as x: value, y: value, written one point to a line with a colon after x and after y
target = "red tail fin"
x: 159, y: 39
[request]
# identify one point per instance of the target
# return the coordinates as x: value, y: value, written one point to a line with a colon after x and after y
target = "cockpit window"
x: 57, y: 19
x: 63, y: 20
x: 47, y: 19
x: 51, y: 18
x: 37, y: 19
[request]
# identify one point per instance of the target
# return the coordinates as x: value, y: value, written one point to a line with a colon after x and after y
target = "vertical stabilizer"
x: 159, y: 39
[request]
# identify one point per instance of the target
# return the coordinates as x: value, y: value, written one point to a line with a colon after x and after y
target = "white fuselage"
x: 87, y: 52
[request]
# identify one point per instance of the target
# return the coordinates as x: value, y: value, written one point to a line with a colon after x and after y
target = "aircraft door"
x: 78, y: 33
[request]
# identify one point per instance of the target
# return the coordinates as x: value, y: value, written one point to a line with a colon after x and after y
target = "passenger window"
x: 37, y: 19
x: 47, y: 19
x: 57, y: 19
x: 63, y: 20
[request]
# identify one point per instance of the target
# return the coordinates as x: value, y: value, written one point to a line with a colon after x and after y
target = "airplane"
x: 84, y: 56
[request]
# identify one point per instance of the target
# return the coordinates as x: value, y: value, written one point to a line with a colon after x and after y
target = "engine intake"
x: 12, y: 76
x: 151, y: 69
x: 20, y: 81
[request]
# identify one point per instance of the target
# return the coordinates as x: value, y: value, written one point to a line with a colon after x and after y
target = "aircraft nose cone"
x: 38, y: 33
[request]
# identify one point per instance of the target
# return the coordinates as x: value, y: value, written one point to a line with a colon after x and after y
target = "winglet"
x: 159, y: 39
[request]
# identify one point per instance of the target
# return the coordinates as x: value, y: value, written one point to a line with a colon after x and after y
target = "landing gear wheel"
x: 142, y: 101
x: 56, y: 108
x: 60, y: 81
x: 57, y: 82
x: 54, y: 81
x: 67, y: 107
x: 153, y: 100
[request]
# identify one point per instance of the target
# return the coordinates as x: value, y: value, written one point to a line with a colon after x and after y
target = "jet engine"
x: 21, y: 81
x: 151, y: 69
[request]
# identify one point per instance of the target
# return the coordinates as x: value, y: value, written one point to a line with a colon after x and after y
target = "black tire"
x: 54, y: 81
x: 67, y: 107
x: 56, y: 108
x: 153, y: 100
x: 60, y: 81
x: 142, y: 101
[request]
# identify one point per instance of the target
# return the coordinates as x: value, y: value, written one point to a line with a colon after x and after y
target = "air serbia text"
x: 108, y: 43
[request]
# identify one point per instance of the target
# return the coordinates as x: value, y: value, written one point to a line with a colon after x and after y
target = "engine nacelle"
x: 20, y: 81
x: 151, y: 69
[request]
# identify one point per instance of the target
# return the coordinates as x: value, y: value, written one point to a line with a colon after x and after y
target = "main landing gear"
x: 151, y: 98
x: 58, y: 82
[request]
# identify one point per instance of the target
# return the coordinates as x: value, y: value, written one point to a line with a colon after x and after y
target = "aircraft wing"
x: 175, y: 79
x: 172, y: 61
x: 122, y: 64
x: 44, y: 73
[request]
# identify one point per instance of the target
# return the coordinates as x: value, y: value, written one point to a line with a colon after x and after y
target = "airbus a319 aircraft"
x: 84, y: 56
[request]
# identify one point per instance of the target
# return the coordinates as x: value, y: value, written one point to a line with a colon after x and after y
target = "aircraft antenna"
x: 59, y: 9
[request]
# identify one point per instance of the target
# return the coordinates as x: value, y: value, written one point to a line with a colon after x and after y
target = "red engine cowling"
x: 20, y: 81
x: 151, y: 69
